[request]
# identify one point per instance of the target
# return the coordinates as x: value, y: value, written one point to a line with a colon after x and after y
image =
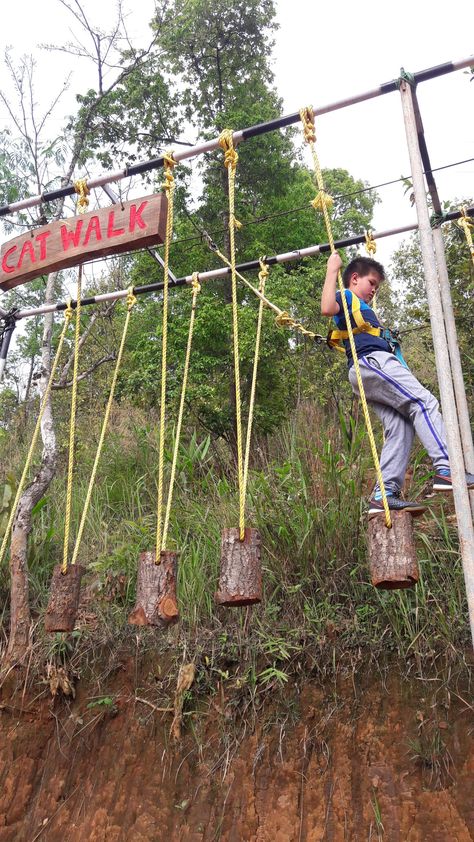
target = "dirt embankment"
x: 364, y: 761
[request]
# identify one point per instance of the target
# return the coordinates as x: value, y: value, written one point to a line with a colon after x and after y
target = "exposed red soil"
x: 366, y: 762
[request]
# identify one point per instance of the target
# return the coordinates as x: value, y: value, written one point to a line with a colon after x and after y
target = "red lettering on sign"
x: 93, y: 228
x: 27, y: 249
x: 41, y: 239
x: 6, y: 266
x: 71, y: 238
x: 111, y: 231
x: 135, y: 217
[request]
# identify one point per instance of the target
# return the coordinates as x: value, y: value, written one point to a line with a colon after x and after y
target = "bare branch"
x: 109, y: 358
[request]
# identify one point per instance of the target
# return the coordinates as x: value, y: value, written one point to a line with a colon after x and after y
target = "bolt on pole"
x: 443, y: 367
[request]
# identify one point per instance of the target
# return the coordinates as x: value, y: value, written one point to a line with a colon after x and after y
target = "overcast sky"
x: 324, y: 53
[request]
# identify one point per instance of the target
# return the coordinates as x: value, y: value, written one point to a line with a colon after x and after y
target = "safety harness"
x: 336, y: 337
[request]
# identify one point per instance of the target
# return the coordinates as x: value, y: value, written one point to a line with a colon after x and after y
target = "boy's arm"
x: 329, y: 305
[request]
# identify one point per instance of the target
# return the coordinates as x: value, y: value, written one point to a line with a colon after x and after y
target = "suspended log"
x: 240, y: 581
x: 64, y: 598
x: 156, y: 603
x: 392, y: 553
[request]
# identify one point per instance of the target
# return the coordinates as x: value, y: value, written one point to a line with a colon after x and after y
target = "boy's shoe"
x: 395, y: 505
x: 445, y: 483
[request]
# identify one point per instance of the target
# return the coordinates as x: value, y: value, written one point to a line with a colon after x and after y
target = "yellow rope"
x: 67, y: 318
x: 226, y: 142
x: 131, y: 301
x: 81, y: 188
x: 466, y: 224
x: 72, y: 424
x: 307, y: 119
x: 370, y: 244
x: 262, y: 276
x: 196, y: 289
x: 283, y: 319
x: 168, y: 187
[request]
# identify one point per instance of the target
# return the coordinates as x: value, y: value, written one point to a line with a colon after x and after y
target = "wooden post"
x: 64, y: 598
x: 392, y: 553
x: 240, y: 581
x: 156, y: 603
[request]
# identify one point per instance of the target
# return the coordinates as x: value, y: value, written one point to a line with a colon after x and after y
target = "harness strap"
x: 336, y: 337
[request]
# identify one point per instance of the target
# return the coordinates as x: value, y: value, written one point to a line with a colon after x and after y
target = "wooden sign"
x: 69, y: 242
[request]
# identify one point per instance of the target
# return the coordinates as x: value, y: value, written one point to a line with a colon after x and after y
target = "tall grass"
x: 305, y: 495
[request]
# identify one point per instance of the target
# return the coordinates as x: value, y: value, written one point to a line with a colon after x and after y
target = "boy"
x: 403, y: 405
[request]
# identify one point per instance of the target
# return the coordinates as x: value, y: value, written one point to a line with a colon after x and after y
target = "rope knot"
x: 307, y: 118
x: 131, y: 298
x: 284, y: 319
x: 69, y: 312
x: 264, y: 273
x: 170, y: 164
x: 81, y: 188
x: 322, y: 200
x: 195, y: 282
x: 226, y: 142
x: 370, y: 244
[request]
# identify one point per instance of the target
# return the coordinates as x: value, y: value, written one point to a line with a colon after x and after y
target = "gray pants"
x: 404, y: 407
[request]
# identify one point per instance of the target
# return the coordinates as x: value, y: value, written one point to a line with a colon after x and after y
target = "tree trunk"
x: 392, y: 552
x: 240, y: 581
x: 20, y: 615
x: 156, y: 603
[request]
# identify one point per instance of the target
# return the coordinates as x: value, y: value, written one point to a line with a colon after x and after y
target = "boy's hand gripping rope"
x: 131, y: 301
x: 196, y: 287
x: 226, y: 142
x: 68, y: 313
x: 323, y: 202
x: 168, y: 187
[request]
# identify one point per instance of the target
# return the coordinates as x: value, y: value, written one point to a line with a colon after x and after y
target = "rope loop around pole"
x: 370, y: 244
x: 82, y: 189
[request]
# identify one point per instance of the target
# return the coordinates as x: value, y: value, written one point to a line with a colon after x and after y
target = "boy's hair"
x: 362, y: 265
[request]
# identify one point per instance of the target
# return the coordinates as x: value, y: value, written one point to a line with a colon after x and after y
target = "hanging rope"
x: 72, y: 424
x: 324, y: 203
x: 196, y: 287
x: 168, y: 187
x: 283, y: 319
x: 226, y: 142
x: 465, y: 222
x: 262, y: 277
x: 131, y: 301
x: 68, y: 313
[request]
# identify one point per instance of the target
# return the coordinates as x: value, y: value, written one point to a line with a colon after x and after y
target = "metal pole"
x: 460, y: 492
x: 249, y: 266
x: 454, y: 356
x: 243, y: 134
x: 5, y: 343
x: 448, y: 313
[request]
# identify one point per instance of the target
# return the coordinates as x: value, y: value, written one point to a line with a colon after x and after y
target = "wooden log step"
x: 240, y: 580
x: 64, y: 598
x: 392, y: 552
x: 156, y: 603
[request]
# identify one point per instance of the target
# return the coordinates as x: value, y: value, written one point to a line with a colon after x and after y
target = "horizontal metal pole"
x: 249, y: 266
x: 243, y: 134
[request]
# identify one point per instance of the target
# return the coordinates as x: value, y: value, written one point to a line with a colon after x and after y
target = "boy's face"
x: 365, y: 286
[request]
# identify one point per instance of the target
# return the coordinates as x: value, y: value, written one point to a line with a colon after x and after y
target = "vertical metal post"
x: 460, y: 492
x: 454, y: 356
x: 5, y: 344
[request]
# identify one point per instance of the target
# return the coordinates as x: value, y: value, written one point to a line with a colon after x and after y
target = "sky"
x: 323, y: 53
